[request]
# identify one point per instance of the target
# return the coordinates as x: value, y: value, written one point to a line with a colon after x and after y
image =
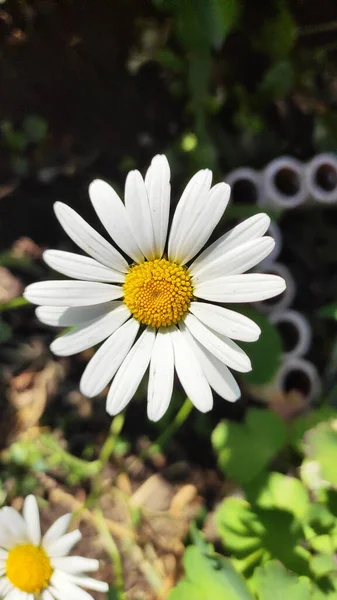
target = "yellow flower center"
x: 158, y: 292
x: 28, y: 568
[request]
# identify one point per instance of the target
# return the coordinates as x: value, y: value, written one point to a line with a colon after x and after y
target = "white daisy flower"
x: 157, y: 309
x: 32, y: 566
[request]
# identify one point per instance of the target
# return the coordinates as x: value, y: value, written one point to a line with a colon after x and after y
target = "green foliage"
x: 329, y: 311
x: 266, y: 353
x: 244, y: 450
x: 277, y: 81
x: 275, y: 490
x: 321, y: 447
x: 282, y: 518
x: 273, y: 581
x: 278, y: 34
x: 302, y: 424
x: 254, y: 535
x: 209, y: 577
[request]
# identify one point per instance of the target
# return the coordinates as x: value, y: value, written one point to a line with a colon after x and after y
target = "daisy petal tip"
x: 207, y: 407
x: 284, y: 284
x: 104, y: 587
x: 154, y: 415
x: 97, y: 186
x: 58, y: 207
x: 28, y: 293
x: 256, y: 334
x: 86, y: 391
x: 55, y: 349
x: 236, y: 396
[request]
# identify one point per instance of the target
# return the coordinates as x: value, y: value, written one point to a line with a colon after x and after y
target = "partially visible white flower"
x: 32, y: 566
x: 158, y: 309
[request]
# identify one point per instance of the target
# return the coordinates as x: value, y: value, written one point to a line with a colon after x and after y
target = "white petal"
x: 58, y: 595
x: 15, y: 525
x: 241, y: 288
x: 32, y: 518
x: 71, y: 293
x: 157, y: 181
x: 108, y: 358
x: 81, y: 267
x: 5, y: 586
x: 218, y: 375
x: 111, y: 211
x: 187, y: 213
x: 225, y: 321
x: 161, y: 376
x: 60, y: 316
x: 238, y: 260
x: 204, y: 218
x: 15, y: 594
x: 91, y: 333
x: 88, y: 582
x: 190, y: 373
x: 222, y: 347
x: 62, y: 545
x: 139, y: 214
x: 75, y: 564
x: 250, y: 229
x: 88, y: 239
x: 63, y: 589
x: 3, y: 555
x: 9, y: 538
x: 57, y: 529
x: 130, y: 373
x: 19, y: 595
x: 46, y: 595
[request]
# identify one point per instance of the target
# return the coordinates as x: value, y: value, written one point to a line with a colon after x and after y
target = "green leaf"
x: 329, y: 311
x: 254, y: 535
x: 321, y: 446
x: 277, y: 81
x: 245, y: 450
x: 323, y: 564
x: 273, y: 582
x: 266, y: 353
x: 276, y: 490
x: 209, y: 578
x: 278, y: 34
x: 301, y: 425
x: 220, y: 19
x: 239, y: 527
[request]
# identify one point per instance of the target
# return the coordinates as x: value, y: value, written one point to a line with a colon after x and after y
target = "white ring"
x: 315, y: 191
x: 273, y: 195
x: 300, y: 364
x: 302, y: 327
x: 249, y: 175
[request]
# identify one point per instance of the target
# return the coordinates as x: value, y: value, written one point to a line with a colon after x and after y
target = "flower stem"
x: 104, y: 456
x: 177, y: 422
x: 112, y: 550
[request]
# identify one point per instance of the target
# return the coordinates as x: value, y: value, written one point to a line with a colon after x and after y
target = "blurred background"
x: 91, y: 90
